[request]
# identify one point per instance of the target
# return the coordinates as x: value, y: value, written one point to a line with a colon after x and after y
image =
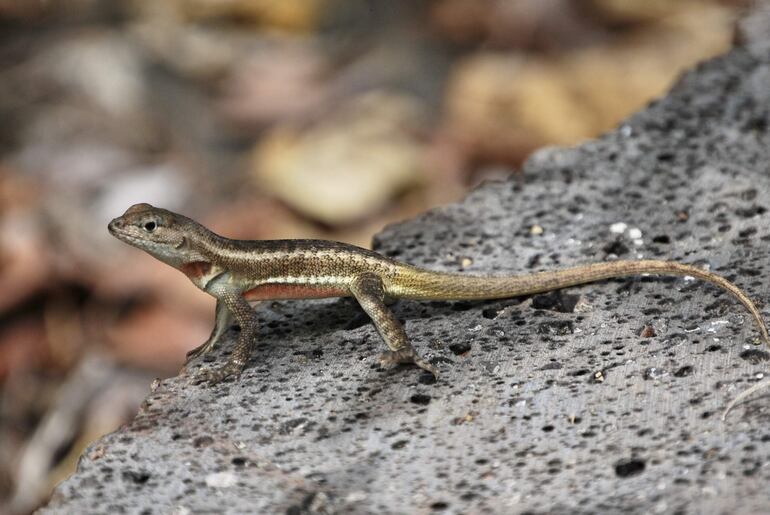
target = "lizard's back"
x: 319, y: 268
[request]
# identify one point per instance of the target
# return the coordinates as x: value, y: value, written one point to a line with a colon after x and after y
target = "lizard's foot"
x: 390, y: 358
x: 217, y: 375
x: 200, y: 350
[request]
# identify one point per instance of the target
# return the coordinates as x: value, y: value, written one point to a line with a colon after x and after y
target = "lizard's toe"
x: 390, y: 358
x: 198, y: 379
x: 198, y: 351
x: 217, y: 375
x: 425, y: 365
x: 191, y: 355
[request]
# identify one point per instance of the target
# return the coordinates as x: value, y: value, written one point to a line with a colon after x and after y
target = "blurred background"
x: 262, y: 119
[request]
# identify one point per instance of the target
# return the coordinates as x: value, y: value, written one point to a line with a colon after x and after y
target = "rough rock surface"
x: 600, y: 398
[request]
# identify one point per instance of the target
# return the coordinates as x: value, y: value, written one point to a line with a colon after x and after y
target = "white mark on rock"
x: 618, y: 228
x: 355, y: 496
x: 713, y: 325
x: 221, y: 480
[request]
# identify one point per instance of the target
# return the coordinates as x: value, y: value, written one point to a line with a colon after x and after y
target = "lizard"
x: 238, y: 271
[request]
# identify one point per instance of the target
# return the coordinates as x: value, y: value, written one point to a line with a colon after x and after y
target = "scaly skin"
x: 236, y: 271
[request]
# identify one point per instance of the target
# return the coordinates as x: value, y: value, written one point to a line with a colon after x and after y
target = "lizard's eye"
x: 150, y: 226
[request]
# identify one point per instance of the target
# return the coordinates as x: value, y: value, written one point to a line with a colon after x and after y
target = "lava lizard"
x: 237, y: 271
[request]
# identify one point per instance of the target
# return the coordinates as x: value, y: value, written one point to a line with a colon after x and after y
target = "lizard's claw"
x: 390, y: 358
x: 198, y: 351
x: 217, y: 375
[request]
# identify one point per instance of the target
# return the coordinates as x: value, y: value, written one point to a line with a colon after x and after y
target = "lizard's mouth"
x: 116, y: 229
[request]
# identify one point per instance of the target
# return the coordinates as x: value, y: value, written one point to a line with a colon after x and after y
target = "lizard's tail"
x: 420, y: 284
x: 416, y: 283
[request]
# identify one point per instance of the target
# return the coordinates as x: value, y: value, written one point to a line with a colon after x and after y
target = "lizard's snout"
x: 114, y: 225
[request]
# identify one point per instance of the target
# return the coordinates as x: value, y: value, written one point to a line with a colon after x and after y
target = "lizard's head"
x: 157, y: 231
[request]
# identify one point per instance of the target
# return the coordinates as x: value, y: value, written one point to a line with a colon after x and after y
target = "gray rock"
x: 552, y: 404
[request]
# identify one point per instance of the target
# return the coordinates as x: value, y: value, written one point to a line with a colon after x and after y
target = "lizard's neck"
x: 202, y: 244
x: 199, y: 257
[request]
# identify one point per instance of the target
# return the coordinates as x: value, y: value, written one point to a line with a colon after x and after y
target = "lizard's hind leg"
x: 369, y: 292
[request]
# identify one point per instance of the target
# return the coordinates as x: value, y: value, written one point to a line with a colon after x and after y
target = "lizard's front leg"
x: 222, y: 321
x: 369, y: 292
x: 230, y: 296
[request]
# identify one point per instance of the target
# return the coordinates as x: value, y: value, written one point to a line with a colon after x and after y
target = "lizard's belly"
x: 276, y: 291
